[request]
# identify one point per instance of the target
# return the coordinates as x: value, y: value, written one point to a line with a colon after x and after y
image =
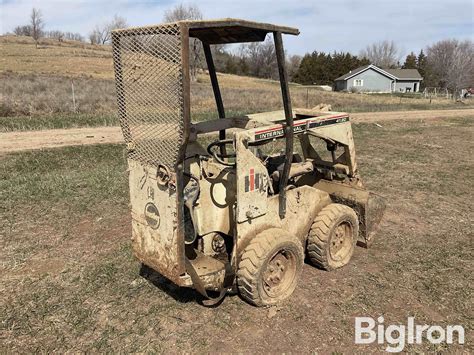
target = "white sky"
x: 325, y: 25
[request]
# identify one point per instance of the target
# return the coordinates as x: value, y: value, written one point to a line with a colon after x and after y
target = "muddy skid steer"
x: 232, y: 203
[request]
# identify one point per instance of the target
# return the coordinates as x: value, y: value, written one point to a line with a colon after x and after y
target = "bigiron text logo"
x: 396, y: 336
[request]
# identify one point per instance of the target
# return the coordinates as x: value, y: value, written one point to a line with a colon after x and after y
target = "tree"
x: 260, y: 59
x: 410, y: 62
x: 188, y: 12
x: 450, y: 64
x: 421, y: 65
x: 322, y: 69
x: 384, y: 54
x: 58, y: 35
x: 102, y: 34
x: 292, y: 65
x: 73, y: 36
x: 37, y: 24
x: 23, y: 30
x: 183, y: 12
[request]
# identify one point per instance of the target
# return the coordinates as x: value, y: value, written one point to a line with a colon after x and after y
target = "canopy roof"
x: 233, y: 30
x: 224, y: 31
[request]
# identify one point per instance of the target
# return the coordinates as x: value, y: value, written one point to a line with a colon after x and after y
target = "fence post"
x: 73, y: 97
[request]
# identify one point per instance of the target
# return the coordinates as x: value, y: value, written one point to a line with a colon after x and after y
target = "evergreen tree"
x: 422, y: 66
x: 321, y: 69
x: 421, y: 63
x: 410, y: 62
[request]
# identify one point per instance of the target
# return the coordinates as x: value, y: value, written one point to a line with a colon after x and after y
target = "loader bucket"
x: 368, y: 206
x: 373, y: 208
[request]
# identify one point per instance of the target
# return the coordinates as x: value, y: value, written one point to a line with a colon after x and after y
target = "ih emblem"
x: 254, y: 181
x: 152, y: 216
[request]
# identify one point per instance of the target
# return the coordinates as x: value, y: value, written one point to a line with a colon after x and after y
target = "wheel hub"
x: 340, y: 243
x: 279, y: 272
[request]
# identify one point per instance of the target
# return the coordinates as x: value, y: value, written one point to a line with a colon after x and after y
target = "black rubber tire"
x: 323, y: 233
x: 253, y: 266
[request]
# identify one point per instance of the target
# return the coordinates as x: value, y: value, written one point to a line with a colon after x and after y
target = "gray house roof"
x: 397, y: 74
x: 405, y: 73
x: 353, y: 72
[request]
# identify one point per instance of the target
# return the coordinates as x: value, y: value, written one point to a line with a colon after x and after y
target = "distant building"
x: 370, y: 78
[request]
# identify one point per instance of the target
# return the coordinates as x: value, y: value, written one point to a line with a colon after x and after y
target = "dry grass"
x: 37, y: 82
x: 69, y: 282
x: 42, y: 96
x: 36, y: 95
x: 68, y: 58
x: 258, y: 95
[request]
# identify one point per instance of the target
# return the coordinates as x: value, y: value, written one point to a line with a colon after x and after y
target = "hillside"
x: 38, y: 82
x: 70, y: 58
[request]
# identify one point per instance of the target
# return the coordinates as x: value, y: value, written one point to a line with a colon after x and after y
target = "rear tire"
x: 333, y: 236
x: 269, y: 268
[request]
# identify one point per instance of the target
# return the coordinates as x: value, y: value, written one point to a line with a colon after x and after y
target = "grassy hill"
x: 37, y: 86
x: 70, y: 58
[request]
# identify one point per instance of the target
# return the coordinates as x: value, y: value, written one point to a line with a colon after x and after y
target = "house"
x: 370, y: 78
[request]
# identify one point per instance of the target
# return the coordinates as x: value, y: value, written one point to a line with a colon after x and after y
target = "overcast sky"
x: 325, y: 25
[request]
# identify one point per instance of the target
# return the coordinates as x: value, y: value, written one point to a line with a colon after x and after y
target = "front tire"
x: 333, y: 236
x: 269, y: 268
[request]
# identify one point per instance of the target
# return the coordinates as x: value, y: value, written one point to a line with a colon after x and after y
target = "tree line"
x: 446, y: 64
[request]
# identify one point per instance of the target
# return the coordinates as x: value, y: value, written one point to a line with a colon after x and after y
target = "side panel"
x: 155, y: 238
x: 303, y: 204
x: 252, y: 182
x: 152, y: 84
x: 214, y: 212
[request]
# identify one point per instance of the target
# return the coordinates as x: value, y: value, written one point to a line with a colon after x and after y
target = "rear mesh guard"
x: 150, y: 95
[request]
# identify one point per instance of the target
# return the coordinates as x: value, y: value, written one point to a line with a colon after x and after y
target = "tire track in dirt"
x: 55, y: 138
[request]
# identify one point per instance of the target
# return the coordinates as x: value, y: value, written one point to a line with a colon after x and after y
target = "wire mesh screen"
x: 149, y: 82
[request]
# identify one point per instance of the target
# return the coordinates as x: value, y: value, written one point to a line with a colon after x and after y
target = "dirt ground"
x: 70, y: 283
x: 19, y: 141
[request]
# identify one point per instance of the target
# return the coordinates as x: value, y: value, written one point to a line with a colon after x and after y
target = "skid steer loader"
x: 240, y: 213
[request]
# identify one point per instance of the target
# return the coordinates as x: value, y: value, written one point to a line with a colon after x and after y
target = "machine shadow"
x: 180, y: 294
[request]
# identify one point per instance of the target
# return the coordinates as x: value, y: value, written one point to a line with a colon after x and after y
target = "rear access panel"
x: 151, y: 76
x: 155, y: 228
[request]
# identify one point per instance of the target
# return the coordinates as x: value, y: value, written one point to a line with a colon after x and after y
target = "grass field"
x: 37, y: 86
x: 69, y: 58
x: 69, y: 282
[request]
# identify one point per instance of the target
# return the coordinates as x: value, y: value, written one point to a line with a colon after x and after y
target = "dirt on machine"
x: 235, y: 203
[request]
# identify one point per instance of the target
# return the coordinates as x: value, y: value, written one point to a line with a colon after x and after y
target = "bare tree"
x: 451, y: 63
x: 383, y: 54
x: 183, y: 12
x: 74, y: 36
x: 58, y: 35
x: 102, y: 34
x: 23, y: 30
x: 94, y: 37
x: 293, y: 63
x: 189, y: 12
x: 260, y: 58
x: 37, y: 24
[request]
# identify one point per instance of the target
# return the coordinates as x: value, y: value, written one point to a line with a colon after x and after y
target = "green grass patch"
x: 58, y: 121
x: 64, y: 182
x: 55, y: 121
